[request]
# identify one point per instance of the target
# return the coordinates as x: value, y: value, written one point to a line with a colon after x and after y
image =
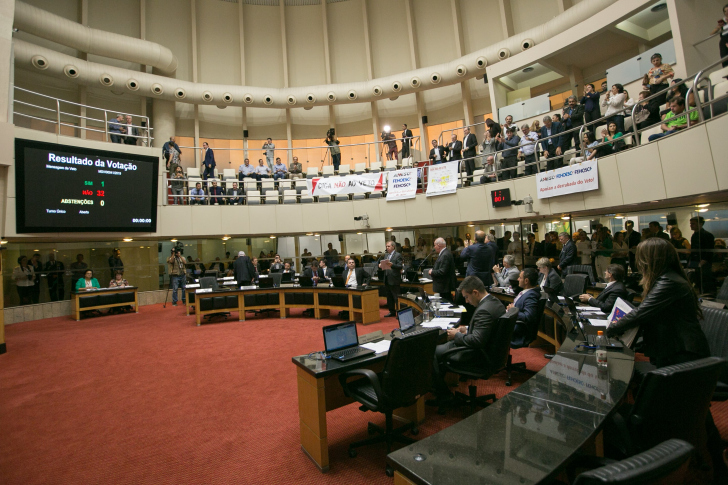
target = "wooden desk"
x: 595, y: 291
x: 427, y: 286
x: 362, y: 304
x: 104, y: 298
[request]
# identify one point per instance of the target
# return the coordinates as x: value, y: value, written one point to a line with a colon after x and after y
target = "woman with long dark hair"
x: 669, y: 313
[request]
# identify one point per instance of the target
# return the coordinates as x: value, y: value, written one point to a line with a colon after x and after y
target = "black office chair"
x: 407, y: 376
x: 687, y: 388
x: 665, y: 463
x: 582, y: 269
x: 630, y: 295
x: 575, y: 284
x: 494, y: 359
x: 715, y: 327
x: 722, y: 296
x: 532, y: 335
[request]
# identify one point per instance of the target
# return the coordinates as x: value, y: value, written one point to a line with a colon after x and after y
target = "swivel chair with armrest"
x: 575, y: 284
x: 407, y: 376
x: 582, y: 269
x: 494, y: 358
x: 530, y: 338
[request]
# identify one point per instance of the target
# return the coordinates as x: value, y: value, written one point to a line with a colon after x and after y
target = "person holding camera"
x: 270, y: 153
x: 390, y: 142
x: 24, y: 277
x: 177, y: 274
x: 333, y: 144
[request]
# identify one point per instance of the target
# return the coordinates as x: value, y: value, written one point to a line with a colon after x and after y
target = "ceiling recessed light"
x: 659, y: 7
x: 272, y: 237
x: 226, y: 238
x: 359, y: 233
x: 471, y: 225
x: 703, y: 205
x: 127, y: 239
x: 528, y: 69
x: 309, y: 234
x: 173, y: 240
x: 3, y: 241
x: 619, y: 217
x: 389, y: 229
x: 702, y: 210
x: 565, y: 218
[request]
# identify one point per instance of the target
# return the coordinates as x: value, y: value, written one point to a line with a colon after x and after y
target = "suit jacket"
x: 511, y: 142
x: 244, y: 270
x: 557, y: 141
x: 606, y: 299
x: 455, y: 150
x: 511, y: 272
x: 591, y: 102
x: 553, y: 281
x: 393, y: 276
x: 668, y: 320
x: 469, y: 144
x: 407, y: 135
x: 235, y: 198
x: 362, y: 277
x: 528, y: 306
x: 576, y: 118
x: 568, y: 255
x: 443, y: 273
x: 325, y: 273
x: 443, y: 153
x: 209, y: 161
x: 482, y: 326
x: 480, y: 258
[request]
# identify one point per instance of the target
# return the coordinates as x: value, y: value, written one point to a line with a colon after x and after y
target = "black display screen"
x: 501, y: 198
x: 61, y: 188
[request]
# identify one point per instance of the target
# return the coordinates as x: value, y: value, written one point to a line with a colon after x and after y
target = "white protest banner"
x: 580, y: 177
x: 442, y: 178
x: 351, y: 184
x: 402, y: 184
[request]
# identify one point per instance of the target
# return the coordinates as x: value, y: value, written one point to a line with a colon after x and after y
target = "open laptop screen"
x: 406, y: 319
x: 340, y: 336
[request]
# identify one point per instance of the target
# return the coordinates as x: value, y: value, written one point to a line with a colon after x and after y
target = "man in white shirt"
x: 508, y: 124
x: 437, y: 153
x: 528, y: 149
x: 246, y: 170
x: 130, y: 130
x: 354, y: 276
x: 262, y: 171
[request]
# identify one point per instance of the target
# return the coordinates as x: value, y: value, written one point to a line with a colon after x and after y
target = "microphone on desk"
x: 424, y: 260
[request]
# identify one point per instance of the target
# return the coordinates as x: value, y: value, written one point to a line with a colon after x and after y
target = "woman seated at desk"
x: 119, y: 282
x: 88, y: 282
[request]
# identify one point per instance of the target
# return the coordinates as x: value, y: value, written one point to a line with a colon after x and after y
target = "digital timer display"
x: 61, y: 188
x: 501, y: 198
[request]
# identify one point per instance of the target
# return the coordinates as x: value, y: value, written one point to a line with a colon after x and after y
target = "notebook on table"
x: 341, y: 342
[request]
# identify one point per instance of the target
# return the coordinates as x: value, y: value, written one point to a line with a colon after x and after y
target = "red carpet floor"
x: 153, y: 399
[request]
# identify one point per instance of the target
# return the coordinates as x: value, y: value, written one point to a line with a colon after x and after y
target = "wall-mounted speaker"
x: 671, y: 219
x: 534, y: 227
x: 248, y: 242
x: 424, y: 120
x: 245, y: 133
x: 341, y: 237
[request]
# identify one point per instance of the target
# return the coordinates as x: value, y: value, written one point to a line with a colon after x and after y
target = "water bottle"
x: 426, y: 316
x: 601, y: 351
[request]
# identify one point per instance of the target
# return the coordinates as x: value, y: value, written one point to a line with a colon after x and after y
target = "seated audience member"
x: 503, y: 275
x: 246, y: 170
x: 287, y: 267
x: 235, y: 195
x: 551, y: 147
x: 119, y: 282
x: 589, y: 144
x: 354, y: 276
x: 680, y: 244
x: 528, y: 149
x: 178, y: 186
x: 216, y: 190
x: 475, y: 337
x: 296, y: 170
x: 437, y: 153
x: 509, y: 159
x: 262, y: 171
x: 488, y: 170
x: 678, y: 91
x: 614, y: 276
x: 548, y: 276
x: 256, y: 267
x: 88, y: 282
x: 279, y: 170
x: 527, y: 304
x: 675, y: 120
x: 644, y: 115
x: 610, y: 134
x: 197, y: 195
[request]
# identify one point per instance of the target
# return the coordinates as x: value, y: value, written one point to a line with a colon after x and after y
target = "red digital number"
x: 100, y: 193
x: 87, y: 192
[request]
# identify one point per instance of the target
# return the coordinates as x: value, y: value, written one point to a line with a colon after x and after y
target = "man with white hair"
x: 244, y: 269
x: 442, y: 273
x: 568, y: 252
x: 509, y: 271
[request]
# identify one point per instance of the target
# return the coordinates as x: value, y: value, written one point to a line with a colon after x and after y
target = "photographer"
x: 177, y: 274
x: 333, y: 144
x: 390, y: 142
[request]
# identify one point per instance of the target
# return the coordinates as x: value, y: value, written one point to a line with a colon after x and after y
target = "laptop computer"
x: 589, y: 339
x: 341, y: 342
x: 287, y: 277
x: 338, y: 281
x: 209, y: 282
x: 305, y: 281
x: 266, y: 282
x: 408, y: 322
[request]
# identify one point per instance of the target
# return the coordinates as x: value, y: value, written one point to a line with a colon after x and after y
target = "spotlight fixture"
x: 528, y: 69
x: 226, y: 238
x: 703, y: 205
x: 127, y: 239
x: 272, y: 237
x: 173, y: 240
x: 659, y: 7
x: 565, y: 218
x: 389, y: 229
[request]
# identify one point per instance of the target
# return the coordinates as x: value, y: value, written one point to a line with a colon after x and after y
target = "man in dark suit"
x: 208, y: 162
x: 590, y: 101
x: 548, y: 276
x: 130, y: 130
x: 406, y: 141
x: 244, y: 269
x: 632, y: 238
x: 568, y: 253
x: 615, y: 289
x: 480, y: 258
x: 455, y: 148
x: 444, y: 280
x: 437, y: 153
x: 532, y: 247
x: 552, y: 146
x: 216, y: 190
x: 474, y: 338
x: 324, y: 271
x: 469, y: 152
x: 527, y: 304
x: 312, y: 271
x: 235, y: 195
x: 392, y: 265
x: 572, y: 117
x: 354, y: 276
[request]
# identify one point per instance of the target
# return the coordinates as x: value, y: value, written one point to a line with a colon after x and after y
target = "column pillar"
x: 691, y: 21
x: 163, y: 121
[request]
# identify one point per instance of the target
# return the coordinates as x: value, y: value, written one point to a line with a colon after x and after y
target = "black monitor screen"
x: 61, y: 188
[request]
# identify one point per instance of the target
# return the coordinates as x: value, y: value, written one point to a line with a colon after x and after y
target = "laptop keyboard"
x: 592, y: 340
x: 419, y: 331
x: 348, y: 353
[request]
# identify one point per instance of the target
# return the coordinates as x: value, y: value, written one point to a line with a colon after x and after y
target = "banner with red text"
x: 580, y: 177
x: 351, y: 184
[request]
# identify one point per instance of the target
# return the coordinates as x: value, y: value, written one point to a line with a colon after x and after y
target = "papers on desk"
x: 599, y: 323
x: 621, y: 308
x: 442, y: 323
x: 425, y: 280
x: 193, y: 285
x: 588, y: 309
x: 378, y: 347
x: 204, y: 290
x: 460, y: 309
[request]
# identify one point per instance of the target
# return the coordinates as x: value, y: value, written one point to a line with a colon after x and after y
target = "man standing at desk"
x: 392, y: 266
x: 244, y: 269
x: 474, y: 338
x: 177, y: 275
x: 568, y: 253
x: 480, y: 258
x: 443, y: 272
